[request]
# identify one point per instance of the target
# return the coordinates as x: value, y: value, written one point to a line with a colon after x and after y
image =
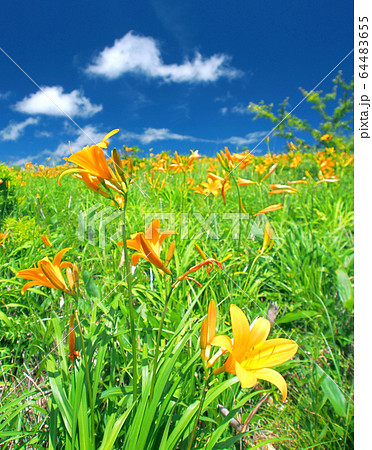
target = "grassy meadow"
x: 115, y: 351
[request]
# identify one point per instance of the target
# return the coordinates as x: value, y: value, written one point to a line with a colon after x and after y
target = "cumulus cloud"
x: 141, y: 55
x: 51, y: 100
x: 14, y: 130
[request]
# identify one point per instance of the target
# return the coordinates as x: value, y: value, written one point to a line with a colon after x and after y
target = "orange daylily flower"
x: 91, y: 160
x: 183, y: 164
x: 208, y: 331
x: 194, y: 155
x: 93, y: 183
x: 270, y: 208
x: 281, y: 188
x: 46, y: 240
x: 210, y: 263
x: 272, y: 168
x: 326, y: 137
x: 244, y: 182
x: 149, y: 245
x: 291, y: 145
x: 225, y: 159
x: 250, y: 354
x: 49, y: 274
x: 328, y: 180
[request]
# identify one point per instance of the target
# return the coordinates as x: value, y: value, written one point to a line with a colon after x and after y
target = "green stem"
x: 90, y: 394
x: 205, y: 390
x: 239, y: 208
x: 250, y: 270
x: 128, y: 278
x: 157, y: 346
x: 183, y: 190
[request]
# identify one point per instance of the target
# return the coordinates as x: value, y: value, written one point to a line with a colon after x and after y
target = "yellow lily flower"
x: 149, y: 245
x: 49, y: 274
x: 251, y: 355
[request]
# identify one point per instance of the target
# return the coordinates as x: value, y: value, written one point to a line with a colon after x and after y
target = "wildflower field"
x: 181, y: 301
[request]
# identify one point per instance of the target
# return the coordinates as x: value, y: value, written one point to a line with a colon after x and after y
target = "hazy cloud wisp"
x: 14, y: 130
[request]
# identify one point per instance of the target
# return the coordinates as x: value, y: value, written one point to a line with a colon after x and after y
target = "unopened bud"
x: 118, y: 164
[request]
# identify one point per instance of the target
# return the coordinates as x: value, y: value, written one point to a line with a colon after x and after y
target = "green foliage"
x: 334, y: 108
x: 47, y: 401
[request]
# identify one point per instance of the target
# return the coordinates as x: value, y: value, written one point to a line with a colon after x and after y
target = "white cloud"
x: 237, y: 109
x: 43, y: 134
x: 139, y: 54
x: 160, y: 134
x: 14, y: 130
x: 248, y: 139
x: 240, y: 109
x: 51, y: 100
x: 85, y: 136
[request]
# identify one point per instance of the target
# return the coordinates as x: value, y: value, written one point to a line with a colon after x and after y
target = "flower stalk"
x: 90, y: 393
x: 158, y: 338
x: 128, y: 278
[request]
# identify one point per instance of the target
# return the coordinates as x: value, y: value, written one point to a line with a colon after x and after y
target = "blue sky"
x: 170, y: 75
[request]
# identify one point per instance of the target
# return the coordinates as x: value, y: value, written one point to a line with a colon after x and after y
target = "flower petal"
x: 248, y: 379
x: 259, y: 332
x: 28, y: 285
x: 134, y: 243
x: 271, y: 353
x: 152, y: 233
x: 60, y: 255
x: 212, y: 320
x: 54, y: 275
x: 164, y: 235
x: 241, y: 331
x: 151, y: 256
x: 136, y: 257
x: 222, y: 341
x: 275, y: 378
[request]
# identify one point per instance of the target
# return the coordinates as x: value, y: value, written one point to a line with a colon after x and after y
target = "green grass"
x: 45, y: 402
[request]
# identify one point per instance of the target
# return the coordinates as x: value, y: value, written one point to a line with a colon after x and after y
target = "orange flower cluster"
x: 184, y: 164
x: 214, y: 185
